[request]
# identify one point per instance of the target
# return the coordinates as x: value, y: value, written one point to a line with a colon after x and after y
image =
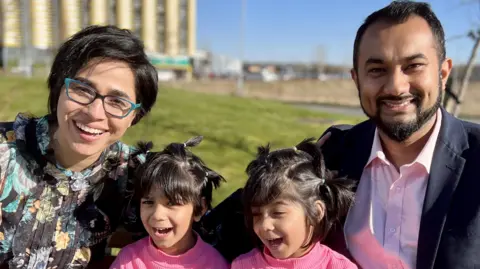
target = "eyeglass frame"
x: 102, y: 97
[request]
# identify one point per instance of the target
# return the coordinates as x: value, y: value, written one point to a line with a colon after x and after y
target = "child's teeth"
x: 162, y: 230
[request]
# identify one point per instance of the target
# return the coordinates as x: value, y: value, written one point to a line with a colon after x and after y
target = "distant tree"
x: 454, y: 97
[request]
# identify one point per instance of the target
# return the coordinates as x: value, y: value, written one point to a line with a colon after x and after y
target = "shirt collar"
x: 424, y: 157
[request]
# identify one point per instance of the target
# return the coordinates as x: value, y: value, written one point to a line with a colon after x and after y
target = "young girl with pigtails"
x: 174, y: 188
x: 291, y: 201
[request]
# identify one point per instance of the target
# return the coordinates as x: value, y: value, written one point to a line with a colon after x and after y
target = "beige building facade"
x: 167, y: 27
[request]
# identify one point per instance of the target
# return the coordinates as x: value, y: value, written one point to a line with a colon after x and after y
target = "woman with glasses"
x: 64, y: 176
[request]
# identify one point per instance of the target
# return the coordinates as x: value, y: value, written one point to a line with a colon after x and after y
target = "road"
x: 354, y: 111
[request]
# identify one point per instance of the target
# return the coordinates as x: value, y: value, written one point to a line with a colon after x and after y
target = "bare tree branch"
x: 461, y: 92
x: 456, y: 37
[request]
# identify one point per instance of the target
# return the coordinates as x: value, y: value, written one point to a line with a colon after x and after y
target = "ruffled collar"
x: 190, y: 257
x: 314, y: 258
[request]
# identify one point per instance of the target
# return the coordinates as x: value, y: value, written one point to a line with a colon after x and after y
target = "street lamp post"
x: 240, y: 81
x: 27, y: 40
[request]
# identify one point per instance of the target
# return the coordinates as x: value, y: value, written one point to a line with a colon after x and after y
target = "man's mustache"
x: 398, y: 98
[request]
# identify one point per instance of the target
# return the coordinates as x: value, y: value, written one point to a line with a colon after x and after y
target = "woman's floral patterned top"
x: 51, y: 217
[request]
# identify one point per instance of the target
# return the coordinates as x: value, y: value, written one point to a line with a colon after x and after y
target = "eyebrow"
x: 114, y: 92
x: 373, y: 60
x: 119, y: 93
x: 281, y: 202
x: 86, y: 81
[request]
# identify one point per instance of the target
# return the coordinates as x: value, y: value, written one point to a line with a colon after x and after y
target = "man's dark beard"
x: 400, y: 131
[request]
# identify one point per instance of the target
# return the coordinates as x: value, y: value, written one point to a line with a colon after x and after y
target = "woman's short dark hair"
x: 104, y: 42
x: 297, y: 174
x: 181, y: 176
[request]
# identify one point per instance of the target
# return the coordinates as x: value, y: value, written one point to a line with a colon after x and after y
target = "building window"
x: 183, y: 27
x: 137, y: 18
x: 85, y: 5
x: 161, y: 26
x: 113, y: 12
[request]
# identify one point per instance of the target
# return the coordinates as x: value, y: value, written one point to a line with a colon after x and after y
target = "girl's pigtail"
x: 260, y: 160
x: 144, y: 147
x: 192, y: 142
x: 336, y: 193
x: 180, y: 149
x: 213, y: 178
x: 212, y: 181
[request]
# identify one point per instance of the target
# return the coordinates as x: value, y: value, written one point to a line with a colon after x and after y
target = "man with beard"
x: 417, y: 199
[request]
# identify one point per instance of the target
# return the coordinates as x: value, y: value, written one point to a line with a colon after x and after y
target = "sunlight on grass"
x: 232, y: 127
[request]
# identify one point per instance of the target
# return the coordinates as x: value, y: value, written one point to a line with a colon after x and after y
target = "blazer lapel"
x: 357, y: 148
x: 446, y: 169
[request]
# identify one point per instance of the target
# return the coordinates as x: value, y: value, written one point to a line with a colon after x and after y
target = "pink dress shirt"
x: 381, y: 229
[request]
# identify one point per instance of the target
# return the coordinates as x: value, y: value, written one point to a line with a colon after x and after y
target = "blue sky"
x: 293, y: 30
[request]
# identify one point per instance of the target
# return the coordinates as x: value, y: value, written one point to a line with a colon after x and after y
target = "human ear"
x: 320, y: 207
x: 202, y: 212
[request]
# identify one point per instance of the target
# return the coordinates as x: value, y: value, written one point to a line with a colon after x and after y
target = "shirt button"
x: 399, y: 189
x: 392, y: 230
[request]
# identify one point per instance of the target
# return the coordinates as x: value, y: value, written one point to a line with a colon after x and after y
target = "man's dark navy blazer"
x: 449, y: 235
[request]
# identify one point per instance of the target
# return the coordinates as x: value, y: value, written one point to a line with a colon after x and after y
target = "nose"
x: 96, y: 110
x: 266, y: 224
x: 397, y: 83
x: 158, y: 213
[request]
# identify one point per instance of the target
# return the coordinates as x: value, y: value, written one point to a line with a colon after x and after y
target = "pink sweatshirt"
x: 144, y: 255
x: 319, y: 257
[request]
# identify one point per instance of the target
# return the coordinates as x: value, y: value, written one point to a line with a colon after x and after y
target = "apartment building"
x: 167, y: 27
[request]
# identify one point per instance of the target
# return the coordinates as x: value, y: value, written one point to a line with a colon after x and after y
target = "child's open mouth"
x: 161, y: 232
x: 274, y: 243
